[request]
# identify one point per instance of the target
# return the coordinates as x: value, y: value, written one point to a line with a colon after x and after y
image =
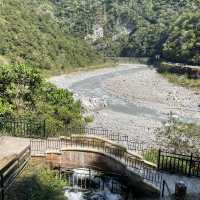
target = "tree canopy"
x: 25, y: 94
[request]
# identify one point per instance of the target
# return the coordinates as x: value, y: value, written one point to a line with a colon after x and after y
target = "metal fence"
x: 150, y: 153
x: 41, y: 129
x: 9, y: 173
x: 188, y: 165
x: 22, y: 128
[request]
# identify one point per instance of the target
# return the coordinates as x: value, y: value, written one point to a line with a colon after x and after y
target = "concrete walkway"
x: 192, y: 183
x: 10, y: 146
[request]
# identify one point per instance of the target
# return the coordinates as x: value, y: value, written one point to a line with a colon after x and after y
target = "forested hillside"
x: 48, y: 33
x: 31, y: 34
x: 131, y: 27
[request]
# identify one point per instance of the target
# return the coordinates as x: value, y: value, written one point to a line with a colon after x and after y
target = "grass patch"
x: 58, y: 71
x: 89, y: 119
x: 151, y: 155
x: 102, y: 63
x: 182, y: 80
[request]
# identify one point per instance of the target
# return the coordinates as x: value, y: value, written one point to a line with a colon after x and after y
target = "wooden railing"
x: 9, y: 173
x: 130, y: 160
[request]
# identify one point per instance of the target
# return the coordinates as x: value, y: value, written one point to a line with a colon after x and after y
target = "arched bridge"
x: 78, y: 151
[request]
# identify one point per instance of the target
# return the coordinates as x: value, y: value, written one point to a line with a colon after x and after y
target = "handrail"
x: 39, y: 129
x: 131, y: 161
x: 130, y: 143
x: 9, y: 173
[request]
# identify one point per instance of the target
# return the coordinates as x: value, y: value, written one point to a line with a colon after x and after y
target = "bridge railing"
x: 149, y: 152
x: 131, y: 161
x: 9, y: 173
x: 42, y: 129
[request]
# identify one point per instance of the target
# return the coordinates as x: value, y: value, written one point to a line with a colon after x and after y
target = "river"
x: 131, y: 98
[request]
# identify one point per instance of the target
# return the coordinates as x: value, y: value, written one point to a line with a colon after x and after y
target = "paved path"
x: 193, y: 184
x: 10, y: 147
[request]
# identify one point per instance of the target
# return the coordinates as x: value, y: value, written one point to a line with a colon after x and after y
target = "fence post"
x: 44, y: 128
x: 158, y: 161
x: 191, y: 162
x: 118, y: 137
x: 163, y: 189
x: 2, y: 187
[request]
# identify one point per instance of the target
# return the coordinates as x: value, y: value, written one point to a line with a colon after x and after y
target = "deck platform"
x: 10, y: 147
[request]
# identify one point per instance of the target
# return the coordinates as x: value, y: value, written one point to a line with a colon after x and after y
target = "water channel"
x: 87, y: 184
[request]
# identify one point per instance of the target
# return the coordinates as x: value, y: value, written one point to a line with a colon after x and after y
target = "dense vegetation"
x: 50, y: 33
x: 136, y: 28
x: 31, y: 34
x: 37, y: 183
x: 25, y: 94
x: 183, y: 43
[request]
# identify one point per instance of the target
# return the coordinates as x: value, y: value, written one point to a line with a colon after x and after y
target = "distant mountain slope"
x: 30, y: 34
x: 49, y: 33
x: 131, y: 27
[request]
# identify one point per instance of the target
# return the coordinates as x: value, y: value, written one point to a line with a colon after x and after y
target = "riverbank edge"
x: 179, y: 73
x: 107, y: 62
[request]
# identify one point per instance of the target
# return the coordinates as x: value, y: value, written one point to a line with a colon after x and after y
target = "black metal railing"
x: 9, y: 173
x: 22, y: 128
x: 165, y: 190
x: 188, y: 165
x: 175, y: 163
x: 41, y: 129
x: 150, y: 153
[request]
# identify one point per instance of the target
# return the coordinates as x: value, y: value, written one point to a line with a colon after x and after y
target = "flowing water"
x: 101, y: 187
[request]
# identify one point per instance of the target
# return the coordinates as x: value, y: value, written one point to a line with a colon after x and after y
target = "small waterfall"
x: 102, y: 188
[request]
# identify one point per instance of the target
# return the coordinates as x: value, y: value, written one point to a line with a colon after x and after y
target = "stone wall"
x: 189, y: 71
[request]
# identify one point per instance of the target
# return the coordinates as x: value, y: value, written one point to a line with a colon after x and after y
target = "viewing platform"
x: 10, y: 148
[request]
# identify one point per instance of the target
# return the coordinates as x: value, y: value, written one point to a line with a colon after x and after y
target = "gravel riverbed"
x: 131, y: 98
